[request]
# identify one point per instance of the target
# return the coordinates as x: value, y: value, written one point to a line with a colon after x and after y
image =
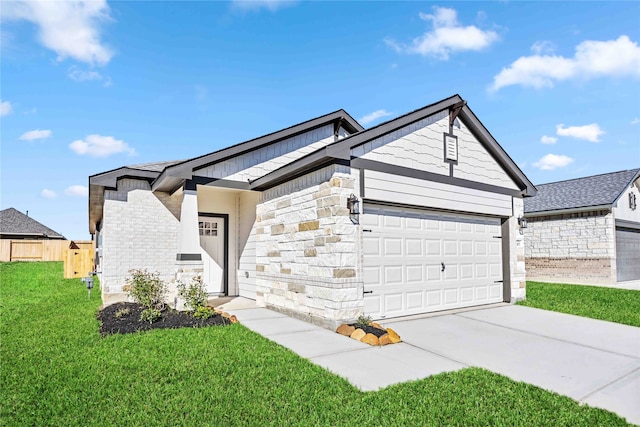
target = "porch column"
x: 188, y: 254
x: 189, y: 239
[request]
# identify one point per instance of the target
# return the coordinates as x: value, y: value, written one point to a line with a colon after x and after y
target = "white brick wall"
x: 139, y: 230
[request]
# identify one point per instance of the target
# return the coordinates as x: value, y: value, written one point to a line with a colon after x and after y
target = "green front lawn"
x: 614, y: 305
x: 56, y: 370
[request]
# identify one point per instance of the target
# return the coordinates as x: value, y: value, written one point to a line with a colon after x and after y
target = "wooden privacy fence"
x: 77, y: 255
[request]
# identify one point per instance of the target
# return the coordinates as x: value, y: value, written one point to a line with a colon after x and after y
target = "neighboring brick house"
x: 325, y: 220
x: 16, y: 225
x: 585, y: 230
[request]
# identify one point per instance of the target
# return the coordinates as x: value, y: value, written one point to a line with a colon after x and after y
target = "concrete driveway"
x: 591, y: 361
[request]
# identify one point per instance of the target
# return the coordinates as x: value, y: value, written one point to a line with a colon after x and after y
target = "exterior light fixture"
x: 353, y: 204
x: 522, y: 222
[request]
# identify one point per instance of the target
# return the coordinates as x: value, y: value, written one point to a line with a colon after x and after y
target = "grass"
x: 56, y: 370
x: 614, y: 305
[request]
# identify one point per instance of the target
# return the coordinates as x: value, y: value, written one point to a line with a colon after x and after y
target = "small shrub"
x: 150, y: 315
x: 363, y: 321
x: 195, y: 294
x: 122, y: 312
x: 147, y: 289
x: 202, y: 312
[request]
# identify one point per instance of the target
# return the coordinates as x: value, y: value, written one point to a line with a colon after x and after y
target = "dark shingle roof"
x: 155, y: 166
x: 597, y: 190
x: 13, y: 221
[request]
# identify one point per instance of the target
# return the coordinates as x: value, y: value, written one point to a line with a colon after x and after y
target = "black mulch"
x: 370, y: 330
x: 130, y: 323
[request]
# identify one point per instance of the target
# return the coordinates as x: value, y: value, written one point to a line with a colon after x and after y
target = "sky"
x: 90, y: 86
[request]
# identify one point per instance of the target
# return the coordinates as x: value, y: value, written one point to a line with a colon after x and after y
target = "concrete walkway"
x: 589, y: 360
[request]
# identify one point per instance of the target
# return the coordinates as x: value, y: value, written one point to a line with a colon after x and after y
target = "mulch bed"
x: 130, y: 323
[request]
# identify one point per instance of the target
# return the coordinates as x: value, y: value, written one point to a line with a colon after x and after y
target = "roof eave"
x: 568, y: 210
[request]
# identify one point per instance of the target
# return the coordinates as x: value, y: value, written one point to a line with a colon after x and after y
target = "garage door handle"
x: 442, y: 263
x: 367, y: 292
x: 368, y: 230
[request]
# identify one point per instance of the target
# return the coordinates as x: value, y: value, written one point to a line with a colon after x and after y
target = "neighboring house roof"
x: 15, y: 223
x: 597, y: 191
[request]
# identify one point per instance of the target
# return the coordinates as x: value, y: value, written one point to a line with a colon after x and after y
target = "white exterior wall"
x: 139, y: 231
x: 246, y: 274
x: 260, y: 162
x: 421, y: 146
x: 412, y: 191
x: 621, y: 210
x: 516, y: 260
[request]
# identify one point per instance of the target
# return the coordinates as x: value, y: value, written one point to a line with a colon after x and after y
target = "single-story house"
x: 16, y: 225
x: 325, y: 220
x: 585, y: 230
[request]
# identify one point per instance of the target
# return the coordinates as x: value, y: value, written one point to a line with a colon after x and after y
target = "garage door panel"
x: 414, y: 273
x: 392, y: 247
x: 393, y: 274
x: 627, y: 254
x: 403, y: 263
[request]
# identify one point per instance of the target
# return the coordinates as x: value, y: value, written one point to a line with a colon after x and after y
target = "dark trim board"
x: 225, y: 274
x: 188, y: 257
x: 506, y: 255
x: 430, y: 176
x: 631, y: 225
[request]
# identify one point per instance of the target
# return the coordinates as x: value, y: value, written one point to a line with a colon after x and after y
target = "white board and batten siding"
x: 417, y: 261
x: 404, y: 190
x: 247, y: 268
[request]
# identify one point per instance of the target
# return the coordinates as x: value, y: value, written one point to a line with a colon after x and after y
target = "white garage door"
x: 417, y: 261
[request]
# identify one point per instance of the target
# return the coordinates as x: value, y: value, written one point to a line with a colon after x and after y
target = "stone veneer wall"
x: 307, y: 248
x: 571, y: 248
x: 139, y: 230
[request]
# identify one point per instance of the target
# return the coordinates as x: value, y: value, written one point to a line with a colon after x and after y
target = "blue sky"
x: 90, y: 86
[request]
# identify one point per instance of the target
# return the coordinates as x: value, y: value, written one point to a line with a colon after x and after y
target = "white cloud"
x: 48, y: 194
x: 69, y: 28
x: 32, y: 135
x: 612, y: 58
x: 78, y: 75
x: 100, y: 146
x: 635, y: 121
x: 543, y: 46
x: 254, y: 5
x: 447, y: 36
x: 77, y: 191
x: 5, y: 108
x: 590, y: 132
x: 548, y: 139
x: 372, y: 117
x: 553, y: 161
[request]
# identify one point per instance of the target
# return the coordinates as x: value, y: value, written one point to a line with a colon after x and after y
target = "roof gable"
x: 342, y: 150
x: 591, y: 191
x: 14, y: 222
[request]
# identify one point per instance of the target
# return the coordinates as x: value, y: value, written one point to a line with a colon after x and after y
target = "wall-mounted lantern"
x: 522, y: 222
x: 353, y: 204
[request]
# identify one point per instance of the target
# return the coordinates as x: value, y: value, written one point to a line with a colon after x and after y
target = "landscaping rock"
x: 370, y: 339
x: 345, y: 330
x: 226, y: 315
x: 393, y: 336
x: 358, y: 334
x: 233, y: 319
x: 376, y: 325
x: 384, y: 340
